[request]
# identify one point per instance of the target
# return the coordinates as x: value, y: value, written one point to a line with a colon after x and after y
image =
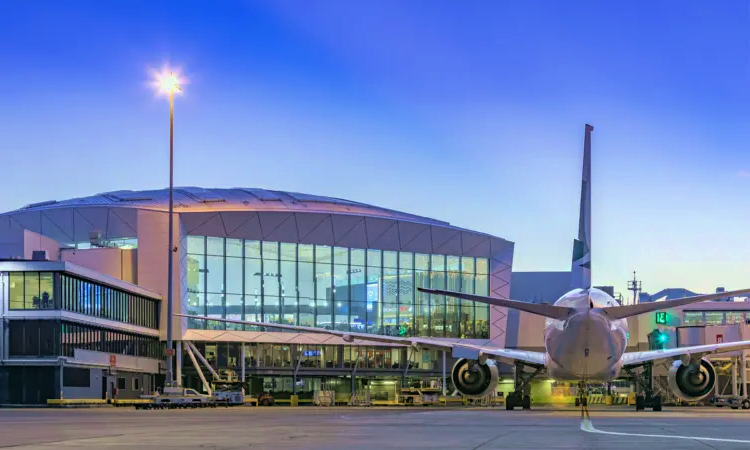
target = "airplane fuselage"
x: 587, y: 345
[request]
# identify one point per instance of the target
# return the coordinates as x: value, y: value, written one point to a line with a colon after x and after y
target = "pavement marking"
x: 588, y: 427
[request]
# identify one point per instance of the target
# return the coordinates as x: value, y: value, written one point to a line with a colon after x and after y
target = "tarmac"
x: 610, y: 428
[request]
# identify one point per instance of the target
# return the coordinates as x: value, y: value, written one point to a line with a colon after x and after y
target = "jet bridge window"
x: 693, y: 318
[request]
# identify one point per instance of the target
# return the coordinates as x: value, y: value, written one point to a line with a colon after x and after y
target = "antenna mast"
x: 635, y: 286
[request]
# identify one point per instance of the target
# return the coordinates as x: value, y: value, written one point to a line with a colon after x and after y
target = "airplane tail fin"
x: 622, y: 312
x: 581, y: 267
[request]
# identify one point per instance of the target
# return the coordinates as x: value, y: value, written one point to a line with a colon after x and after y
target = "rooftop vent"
x: 127, y: 196
x: 39, y: 255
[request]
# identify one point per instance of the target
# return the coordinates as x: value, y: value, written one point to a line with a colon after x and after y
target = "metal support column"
x: 743, y: 373
x: 198, y: 368
x: 734, y: 376
x: 203, y: 360
x: 445, y: 384
x: 242, y: 361
x: 178, y: 369
x: 294, y: 378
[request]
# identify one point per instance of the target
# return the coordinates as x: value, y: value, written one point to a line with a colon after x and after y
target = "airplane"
x: 585, y: 336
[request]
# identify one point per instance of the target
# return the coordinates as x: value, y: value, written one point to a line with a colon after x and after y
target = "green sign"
x: 661, y: 317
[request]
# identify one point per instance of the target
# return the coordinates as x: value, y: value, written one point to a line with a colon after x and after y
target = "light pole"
x: 170, y: 83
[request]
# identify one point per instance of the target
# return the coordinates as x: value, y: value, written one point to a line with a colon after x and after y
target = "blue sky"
x: 467, y: 112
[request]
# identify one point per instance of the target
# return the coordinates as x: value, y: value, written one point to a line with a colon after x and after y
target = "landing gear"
x: 645, y: 396
x: 521, y: 385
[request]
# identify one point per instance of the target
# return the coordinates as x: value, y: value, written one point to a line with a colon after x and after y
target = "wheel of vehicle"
x: 656, y: 403
x: 745, y: 404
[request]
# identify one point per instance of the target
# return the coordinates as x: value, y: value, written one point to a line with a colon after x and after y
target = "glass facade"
x: 40, y: 338
x: 31, y: 290
x: 92, y: 299
x: 346, y: 289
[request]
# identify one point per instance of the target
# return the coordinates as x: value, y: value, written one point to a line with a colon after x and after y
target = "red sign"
x: 169, y: 352
x: 112, y: 360
x: 719, y: 338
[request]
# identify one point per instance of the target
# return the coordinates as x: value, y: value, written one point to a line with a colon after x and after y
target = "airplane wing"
x: 621, y: 312
x: 685, y: 353
x: 554, y: 312
x: 457, y: 349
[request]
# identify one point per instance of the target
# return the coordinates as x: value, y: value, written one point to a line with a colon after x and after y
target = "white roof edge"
x: 63, y: 266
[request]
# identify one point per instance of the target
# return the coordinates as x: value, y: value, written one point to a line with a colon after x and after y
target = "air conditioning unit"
x: 95, y: 238
x: 39, y: 255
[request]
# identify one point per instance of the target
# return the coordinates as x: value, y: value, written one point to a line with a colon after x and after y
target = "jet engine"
x: 474, y: 379
x: 692, y: 381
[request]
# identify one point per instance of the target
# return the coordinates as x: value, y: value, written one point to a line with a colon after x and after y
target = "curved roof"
x: 196, y: 199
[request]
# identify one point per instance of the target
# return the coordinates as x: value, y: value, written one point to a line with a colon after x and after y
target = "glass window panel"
x: 481, y: 285
x: 322, y: 254
x: 271, y: 309
x: 252, y: 249
x: 341, y: 315
x: 481, y: 321
x: 271, y: 277
x: 323, y: 280
x: 214, y: 305
x: 253, y: 278
x: 358, y: 289
x: 390, y: 285
x: 373, y: 258
x: 270, y: 250
x: 358, y: 316
x: 215, y: 275
x: 252, y: 310
x: 422, y: 316
x: 735, y: 317
x: 421, y: 262
x: 714, y: 318
x: 306, y: 283
x: 437, y: 302
x: 406, y: 260
x: 305, y: 252
x: 46, y: 290
x: 390, y: 259
x: 323, y: 314
x: 357, y: 256
x: 31, y: 290
x: 16, y: 290
x: 340, y: 255
x: 196, y: 245
x: 215, y: 246
x: 483, y: 266
x: 288, y: 252
x: 693, y: 318
x: 438, y: 263
x: 341, y: 282
x: 234, y: 310
x: 467, y: 265
x: 389, y: 317
x: 288, y: 281
x: 234, y: 275
x: 196, y: 268
x: 234, y: 247
x: 454, y: 264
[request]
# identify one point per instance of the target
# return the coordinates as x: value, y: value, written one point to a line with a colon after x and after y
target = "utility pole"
x: 635, y: 286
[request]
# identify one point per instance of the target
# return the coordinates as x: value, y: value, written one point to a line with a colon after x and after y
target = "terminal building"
x: 84, y: 281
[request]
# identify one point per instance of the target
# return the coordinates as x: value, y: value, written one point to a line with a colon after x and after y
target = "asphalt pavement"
x: 610, y: 428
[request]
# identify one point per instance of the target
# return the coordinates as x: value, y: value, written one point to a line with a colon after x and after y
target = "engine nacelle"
x: 473, y: 379
x: 692, y: 382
